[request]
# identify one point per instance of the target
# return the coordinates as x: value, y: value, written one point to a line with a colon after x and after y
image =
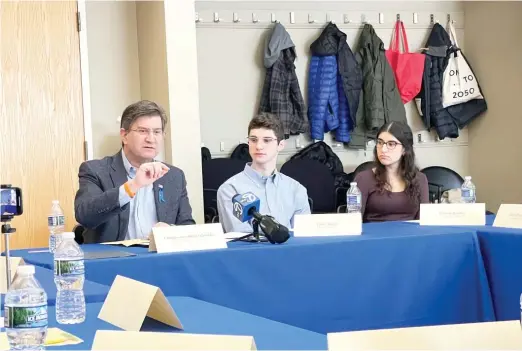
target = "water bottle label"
x: 353, y: 200
x: 467, y: 193
x: 53, y: 221
x: 68, y: 267
x: 25, y: 317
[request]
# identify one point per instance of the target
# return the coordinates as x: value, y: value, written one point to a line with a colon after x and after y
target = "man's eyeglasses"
x: 255, y: 140
x: 145, y: 132
x: 392, y: 144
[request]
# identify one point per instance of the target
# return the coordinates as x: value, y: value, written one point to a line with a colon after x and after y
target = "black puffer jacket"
x: 446, y: 121
x: 241, y: 153
x: 322, y: 152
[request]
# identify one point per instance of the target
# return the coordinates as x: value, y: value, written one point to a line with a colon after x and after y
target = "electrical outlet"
x: 222, y: 146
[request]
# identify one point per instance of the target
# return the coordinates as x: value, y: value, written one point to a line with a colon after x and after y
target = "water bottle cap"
x: 67, y: 235
x: 467, y: 177
x: 25, y: 270
x: 56, y: 202
x: 353, y: 183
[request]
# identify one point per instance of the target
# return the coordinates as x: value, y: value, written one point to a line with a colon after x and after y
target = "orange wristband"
x: 128, y: 190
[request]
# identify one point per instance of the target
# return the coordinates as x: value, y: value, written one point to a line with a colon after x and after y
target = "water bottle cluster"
x: 25, y: 314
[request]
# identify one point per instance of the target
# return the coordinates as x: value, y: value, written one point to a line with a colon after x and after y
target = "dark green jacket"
x: 380, y: 100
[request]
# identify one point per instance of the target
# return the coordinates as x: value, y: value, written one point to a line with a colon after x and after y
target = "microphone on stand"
x: 245, y: 208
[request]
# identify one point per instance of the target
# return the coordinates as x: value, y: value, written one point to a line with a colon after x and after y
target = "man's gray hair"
x: 140, y: 109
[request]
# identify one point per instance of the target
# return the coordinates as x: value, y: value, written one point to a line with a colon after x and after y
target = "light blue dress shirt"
x: 280, y: 196
x: 142, y: 216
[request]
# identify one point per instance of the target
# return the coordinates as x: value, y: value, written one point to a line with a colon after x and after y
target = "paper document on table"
x: 127, y: 243
x: 55, y: 337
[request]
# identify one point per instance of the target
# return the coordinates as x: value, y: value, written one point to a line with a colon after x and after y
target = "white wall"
x: 113, y: 69
x: 231, y: 73
x: 494, y: 50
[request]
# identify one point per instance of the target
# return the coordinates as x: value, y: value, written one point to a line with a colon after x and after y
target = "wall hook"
x: 329, y: 19
x: 398, y: 17
x: 236, y: 18
x: 216, y: 17
x: 254, y: 18
x: 198, y: 19
x: 346, y: 19
x: 273, y: 18
x: 310, y: 19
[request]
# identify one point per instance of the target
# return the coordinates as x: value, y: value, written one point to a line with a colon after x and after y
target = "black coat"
x: 446, y: 121
x: 322, y: 152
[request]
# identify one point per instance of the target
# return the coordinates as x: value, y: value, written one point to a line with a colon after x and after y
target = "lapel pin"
x: 161, y: 196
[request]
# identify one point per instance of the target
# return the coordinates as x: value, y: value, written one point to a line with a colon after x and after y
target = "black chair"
x: 441, y: 179
x: 78, y: 234
x: 362, y: 167
x: 215, y: 172
x: 318, y: 181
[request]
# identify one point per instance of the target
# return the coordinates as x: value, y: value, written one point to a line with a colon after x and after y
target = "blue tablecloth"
x: 392, y: 276
x: 502, y: 253
x: 200, y: 317
x: 94, y: 292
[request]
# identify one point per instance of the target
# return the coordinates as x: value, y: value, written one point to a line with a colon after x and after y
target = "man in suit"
x: 124, y: 196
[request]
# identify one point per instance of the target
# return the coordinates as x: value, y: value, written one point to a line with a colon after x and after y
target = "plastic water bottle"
x: 353, y: 199
x: 69, y: 275
x: 468, y: 191
x: 26, y: 311
x: 56, y: 224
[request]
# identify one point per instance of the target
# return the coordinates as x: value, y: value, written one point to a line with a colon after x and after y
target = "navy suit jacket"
x: 97, y: 206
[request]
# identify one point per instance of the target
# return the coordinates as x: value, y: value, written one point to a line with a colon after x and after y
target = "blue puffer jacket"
x: 334, y: 86
x: 323, y: 100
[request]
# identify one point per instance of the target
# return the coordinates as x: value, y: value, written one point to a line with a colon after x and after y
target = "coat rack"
x: 298, y: 19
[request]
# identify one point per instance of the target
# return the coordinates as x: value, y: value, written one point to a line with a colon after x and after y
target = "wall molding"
x: 344, y: 150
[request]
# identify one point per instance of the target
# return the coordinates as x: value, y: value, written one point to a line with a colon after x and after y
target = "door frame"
x: 86, y: 86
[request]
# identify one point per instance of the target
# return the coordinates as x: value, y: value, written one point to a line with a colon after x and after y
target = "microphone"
x: 245, y: 207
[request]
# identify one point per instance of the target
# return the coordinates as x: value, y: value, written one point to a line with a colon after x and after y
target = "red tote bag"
x: 408, y: 67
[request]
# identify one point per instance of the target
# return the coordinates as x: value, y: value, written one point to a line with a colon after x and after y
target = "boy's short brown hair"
x: 268, y: 121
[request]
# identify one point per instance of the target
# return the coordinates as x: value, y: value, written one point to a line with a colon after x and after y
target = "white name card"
x: 187, y: 238
x: 453, y: 214
x: 133, y: 340
x: 504, y: 335
x: 509, y: 216
x: 328, y: 224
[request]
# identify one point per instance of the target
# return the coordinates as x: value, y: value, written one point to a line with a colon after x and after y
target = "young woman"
x: 394, y: 189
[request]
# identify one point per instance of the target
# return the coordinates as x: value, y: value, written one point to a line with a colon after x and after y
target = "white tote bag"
x: 459, y: 84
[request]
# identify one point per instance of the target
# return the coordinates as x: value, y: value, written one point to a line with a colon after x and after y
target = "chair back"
x: 216, y: 171
x: 441, y: 179
x: 78, y: 234
x: 362, y: 167
x: 318, y: 180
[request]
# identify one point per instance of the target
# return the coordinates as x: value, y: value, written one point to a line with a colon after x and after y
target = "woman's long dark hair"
x: 407, y: 168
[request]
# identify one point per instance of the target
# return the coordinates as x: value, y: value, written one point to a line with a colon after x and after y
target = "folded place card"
x: 124, y: 340
x: 187, y: 238
x: 334, y: 224
x: 505, y: 335
x: 129, y: 301
x: 15, y: 262
x: 509, y: 216
x: 453, y: 214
